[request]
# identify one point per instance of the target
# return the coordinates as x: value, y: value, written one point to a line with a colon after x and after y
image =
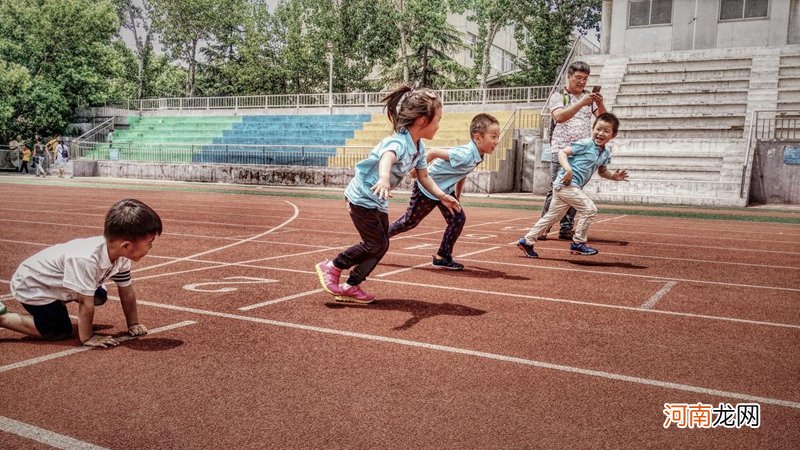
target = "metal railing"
x: 767, y: 125
x: 93, y: 137
x: 520, y: 118
x: 527, y: 94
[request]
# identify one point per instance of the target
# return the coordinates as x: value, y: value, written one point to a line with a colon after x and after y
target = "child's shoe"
x: 447, y: 263
x: 582, y: 249
x: 354, y: 294
x: 527, y: 248
x: 100, y: 296
x: 3, y: 309
x: 329, y: 276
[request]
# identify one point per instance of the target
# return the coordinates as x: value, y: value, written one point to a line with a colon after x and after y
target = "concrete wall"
x: 773, y: 181
x: 686, y: 33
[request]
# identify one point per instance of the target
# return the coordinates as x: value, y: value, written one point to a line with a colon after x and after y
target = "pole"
x: 330, y: 77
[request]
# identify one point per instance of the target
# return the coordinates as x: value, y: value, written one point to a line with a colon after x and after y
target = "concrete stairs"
x: 685, y: 120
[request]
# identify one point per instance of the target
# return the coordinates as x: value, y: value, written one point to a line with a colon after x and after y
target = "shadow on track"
x: 419, y: 310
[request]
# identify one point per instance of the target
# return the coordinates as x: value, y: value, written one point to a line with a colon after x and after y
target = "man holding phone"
x: 573, y: 109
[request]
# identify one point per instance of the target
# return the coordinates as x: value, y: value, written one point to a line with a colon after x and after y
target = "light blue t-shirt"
x: 586, y: 158
x: 446, y: 174
x: 367, y: 171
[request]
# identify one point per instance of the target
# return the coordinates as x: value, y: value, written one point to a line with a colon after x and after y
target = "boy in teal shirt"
x: 578, y: 163
x: 449, y: 169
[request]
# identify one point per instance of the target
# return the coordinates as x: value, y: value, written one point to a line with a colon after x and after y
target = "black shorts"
x: 51, y: 320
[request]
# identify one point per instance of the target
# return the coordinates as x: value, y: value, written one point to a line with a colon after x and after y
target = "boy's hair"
x: 131, y: 220
x: 405, y: 104
x: 610, y: 118
x: 578, y: 66
x: 481, y: 122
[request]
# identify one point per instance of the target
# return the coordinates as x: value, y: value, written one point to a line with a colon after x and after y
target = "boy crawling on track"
x: 578, y: 163
x: 76, y: 270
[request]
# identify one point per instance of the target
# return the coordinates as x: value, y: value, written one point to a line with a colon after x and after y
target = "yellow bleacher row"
x: 453, y: 131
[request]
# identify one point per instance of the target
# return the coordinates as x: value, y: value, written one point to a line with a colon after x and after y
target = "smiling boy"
x: 578, y: 163
x: 76, y: 270
x: 449, y: 169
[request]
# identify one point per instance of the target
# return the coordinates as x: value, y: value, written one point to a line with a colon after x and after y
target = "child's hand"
x: 101, y: 341
x: 382, y: 189
x: 137, y: 330
x: 567, y: 180
x: 620, y: 175
x: 451, y: 203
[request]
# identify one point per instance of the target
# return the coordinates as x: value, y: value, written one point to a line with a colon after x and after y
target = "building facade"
x: 641, y: 26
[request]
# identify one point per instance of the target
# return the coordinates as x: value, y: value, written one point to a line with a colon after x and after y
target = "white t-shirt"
x: 63, y: 271
x: 576, y: 128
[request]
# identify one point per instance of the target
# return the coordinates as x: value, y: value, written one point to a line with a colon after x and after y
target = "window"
x: 642, y: 13
x: 743, y: 9
x: 470, y: 40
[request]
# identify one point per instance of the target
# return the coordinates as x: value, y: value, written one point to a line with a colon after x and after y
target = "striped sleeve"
x: 122, y: 278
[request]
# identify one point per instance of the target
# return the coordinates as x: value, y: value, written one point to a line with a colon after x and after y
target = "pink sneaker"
x: 354, y: 294
x: 329, y: 277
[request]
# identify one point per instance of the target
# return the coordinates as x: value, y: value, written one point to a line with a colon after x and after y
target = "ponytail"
x: 405, y: 104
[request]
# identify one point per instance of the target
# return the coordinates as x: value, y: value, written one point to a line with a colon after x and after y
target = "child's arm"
x: 460, y: 188
x: 619, y: 175
x: 433, y: 153
x: 563, y: 159
x: 85, y: 321
x: 383, y: 188
x: 127, y: 297
x: 447, y: 200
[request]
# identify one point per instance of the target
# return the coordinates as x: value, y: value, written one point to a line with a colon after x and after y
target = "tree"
x: 490, y: 16
x: 544, y: 33
x: 186, y: 24
x: 429, y: 41
x: 135, y: 16
x: 66, y: 47
x: 14, y: 80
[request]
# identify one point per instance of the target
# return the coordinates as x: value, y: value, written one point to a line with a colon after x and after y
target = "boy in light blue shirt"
x: 578, y: 163
x: 449, y: 169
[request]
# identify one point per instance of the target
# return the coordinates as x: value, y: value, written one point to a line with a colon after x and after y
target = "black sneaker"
x: 527, y: 248
x: 566, y: 235
x: 100, y: 296
x: 447, y: 263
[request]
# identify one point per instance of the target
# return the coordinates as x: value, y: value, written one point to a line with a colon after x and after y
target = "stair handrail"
x: 90, y: 135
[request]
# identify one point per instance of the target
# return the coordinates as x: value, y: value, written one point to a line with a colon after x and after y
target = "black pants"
x: 373, y: 227
x: 418, y: 208
x: 24, y: 166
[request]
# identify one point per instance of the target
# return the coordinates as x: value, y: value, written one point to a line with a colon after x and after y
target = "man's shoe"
x: 527, y: 248
x: 582, y: 249
x: 354, y: 294
x: 329, y: 276
x: 566, y: 235
x: 100, y: 296
x: 447, y: 263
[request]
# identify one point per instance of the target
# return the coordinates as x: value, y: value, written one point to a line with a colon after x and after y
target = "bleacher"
x: 453, y: 131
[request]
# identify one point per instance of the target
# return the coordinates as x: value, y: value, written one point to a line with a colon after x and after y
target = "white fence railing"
x: 527, y: 94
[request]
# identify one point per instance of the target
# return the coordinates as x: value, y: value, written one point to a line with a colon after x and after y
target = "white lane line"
x: 658, y: 295
x: 492, y: 356
x: 232, y: 244
x: 598, y: 305
x: 394, y: 272
x: 556, y: 231
x: 278, y: 300
x: 40, y: 359
x: 46, y: 437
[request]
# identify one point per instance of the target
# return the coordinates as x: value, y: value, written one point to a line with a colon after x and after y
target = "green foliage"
x: 544, y: 34
x: 65, y: 46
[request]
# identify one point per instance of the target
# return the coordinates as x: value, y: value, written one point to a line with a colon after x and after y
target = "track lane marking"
x: 46, y: 437
x: 491, y: 356
x: 72, y: 351
x: 651, y: 302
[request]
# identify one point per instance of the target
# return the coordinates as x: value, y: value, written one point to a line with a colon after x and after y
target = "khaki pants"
x: 563, y: 199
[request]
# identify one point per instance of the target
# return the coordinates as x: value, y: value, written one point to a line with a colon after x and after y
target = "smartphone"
x: 595, y: 89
